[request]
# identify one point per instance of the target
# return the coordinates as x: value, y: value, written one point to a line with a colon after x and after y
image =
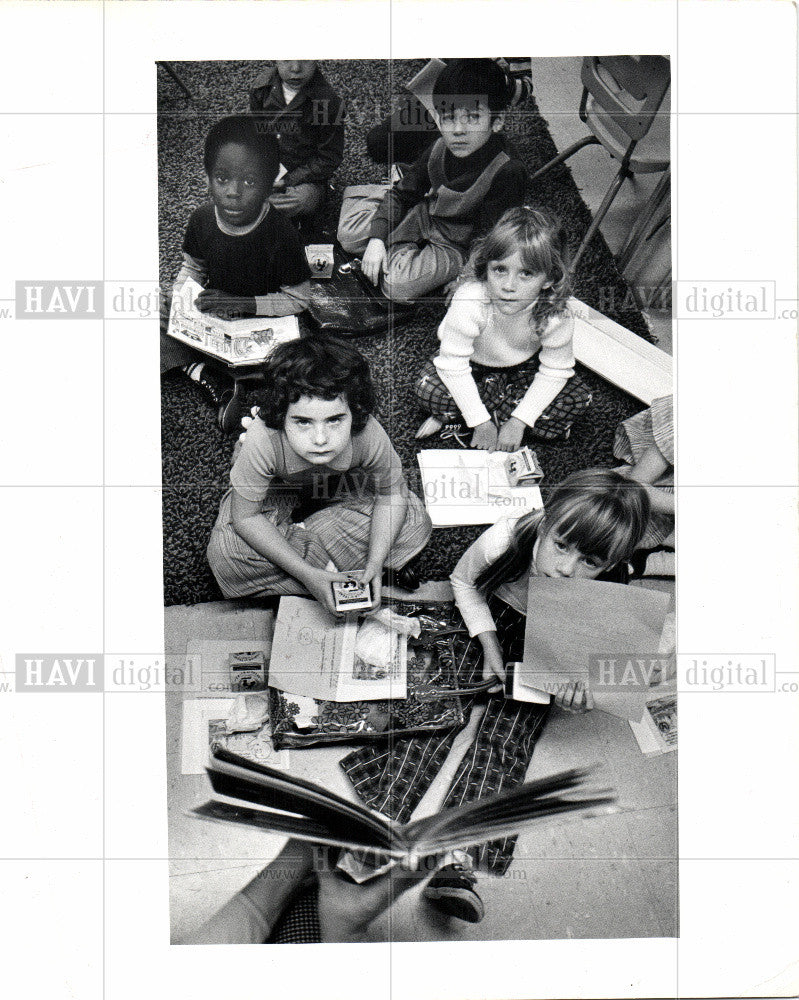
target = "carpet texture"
x: 196, y: 456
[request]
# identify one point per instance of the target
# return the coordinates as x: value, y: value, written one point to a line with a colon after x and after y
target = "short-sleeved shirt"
x: 258, y: 263
x: 266, y: 460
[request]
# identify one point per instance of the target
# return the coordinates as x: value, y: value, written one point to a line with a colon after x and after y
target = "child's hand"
x: 225, y: 306
x: 247, y: 419
x: 373, y: 575
x: 318, y: 584
x: 511, y: 434
x: 493, y: 660
x: 485, y: 436
x: 575, y: 697
x: 374, y: 260
x: 286, y: 200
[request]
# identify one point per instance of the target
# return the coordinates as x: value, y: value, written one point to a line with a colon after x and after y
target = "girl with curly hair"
x: 315, y: 484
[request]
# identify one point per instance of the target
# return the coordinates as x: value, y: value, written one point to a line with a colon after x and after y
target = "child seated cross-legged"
x: 506, y: 361
x: 316, y: 482
x: 417, y: 234
x: 244, y: 252
x: 592, y: 523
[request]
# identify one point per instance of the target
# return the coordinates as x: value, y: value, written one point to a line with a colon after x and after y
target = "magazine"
x: 236, y: 341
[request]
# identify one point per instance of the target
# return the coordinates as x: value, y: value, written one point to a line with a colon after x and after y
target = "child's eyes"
x: 498, y: 268
x: 560, y: 545
x: 474, y: 117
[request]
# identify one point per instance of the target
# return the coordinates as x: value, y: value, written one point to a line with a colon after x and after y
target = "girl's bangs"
x: 594, y: 531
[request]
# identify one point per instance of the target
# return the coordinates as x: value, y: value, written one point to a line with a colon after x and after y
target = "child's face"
x: 556, y: 558
x: 237, y: 184
x: 467, y: 128
x: 512, y: 286
x: 295, y: 73
x: 318, y: 430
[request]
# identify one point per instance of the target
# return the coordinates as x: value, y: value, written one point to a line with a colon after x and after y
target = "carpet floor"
x: 195, y: 454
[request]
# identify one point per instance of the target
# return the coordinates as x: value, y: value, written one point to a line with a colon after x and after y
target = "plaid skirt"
x: 501, y: 390
x: 393, y: 778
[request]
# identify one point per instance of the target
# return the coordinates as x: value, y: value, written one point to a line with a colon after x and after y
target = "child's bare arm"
x: 388, y: 515
x: 493, y: 660
x: 647, y: 470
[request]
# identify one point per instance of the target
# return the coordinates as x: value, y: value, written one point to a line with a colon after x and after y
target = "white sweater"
x: 475, y: 330
x: 481, y: 554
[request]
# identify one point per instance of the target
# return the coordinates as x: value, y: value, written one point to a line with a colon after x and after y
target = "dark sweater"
x: 506, y: 191
x: 310, y: 129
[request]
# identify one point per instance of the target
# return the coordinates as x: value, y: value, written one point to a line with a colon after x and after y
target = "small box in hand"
x: 522, y: 467
x: 247, y: 671
x: 320, y: 259
x: 351, y: 595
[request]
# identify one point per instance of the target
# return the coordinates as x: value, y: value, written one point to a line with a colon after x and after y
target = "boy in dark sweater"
x: 245, y: 253
x: 298, y: 106
x: 415, y: 236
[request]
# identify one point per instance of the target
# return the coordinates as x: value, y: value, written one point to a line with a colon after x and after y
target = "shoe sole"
x: 229, y: 415
x: 461, y: 903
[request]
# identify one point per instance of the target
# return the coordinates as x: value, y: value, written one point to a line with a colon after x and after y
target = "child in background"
x: 246, y: 254
x: 506, y: 362
x: 592, y: 523
x: 315, y: 454
x: 646, y: 443
x: 417, y: 234
x: 411, y: 127
x: 303, y: 112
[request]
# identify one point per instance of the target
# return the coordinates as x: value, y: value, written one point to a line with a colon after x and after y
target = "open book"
x: 254, y: 795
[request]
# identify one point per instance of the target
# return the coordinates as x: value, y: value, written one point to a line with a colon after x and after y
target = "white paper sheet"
x: 471, y: 487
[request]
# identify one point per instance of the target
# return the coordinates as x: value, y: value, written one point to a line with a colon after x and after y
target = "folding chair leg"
x: 645, y: 220
x: 168, y: 68
x: 589, y: 140
x: 602, y: 211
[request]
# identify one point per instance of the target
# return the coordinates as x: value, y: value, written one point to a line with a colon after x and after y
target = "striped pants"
x: 501, y: 389
x: 339, y: 532
x: 392, y: 779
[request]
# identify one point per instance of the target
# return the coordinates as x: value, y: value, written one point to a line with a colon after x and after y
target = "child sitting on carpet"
x: 245, y: 253
x: 298, y: 106
x: 417, y: 233
x: 646, y: 443
x: 593, y: 522
x: 315, y: 454
x: 506, y: 361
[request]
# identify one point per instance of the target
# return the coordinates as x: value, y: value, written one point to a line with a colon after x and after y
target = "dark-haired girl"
x: 316, y: 482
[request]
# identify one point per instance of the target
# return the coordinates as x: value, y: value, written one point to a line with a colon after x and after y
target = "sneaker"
x: 459, y: 433
x: 405, y: 578
x: 430, y: 427
x: 215, y: 385
x: 452, y: 891
x: 229, y: 412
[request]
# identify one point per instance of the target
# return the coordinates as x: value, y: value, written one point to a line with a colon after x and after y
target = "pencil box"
x: 442, y: 659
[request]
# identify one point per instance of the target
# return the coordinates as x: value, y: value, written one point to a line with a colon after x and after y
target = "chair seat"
x: 652, y: 153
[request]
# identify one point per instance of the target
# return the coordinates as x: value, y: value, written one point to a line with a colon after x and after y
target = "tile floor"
x: 608, y: 876
x: 557, y: 88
